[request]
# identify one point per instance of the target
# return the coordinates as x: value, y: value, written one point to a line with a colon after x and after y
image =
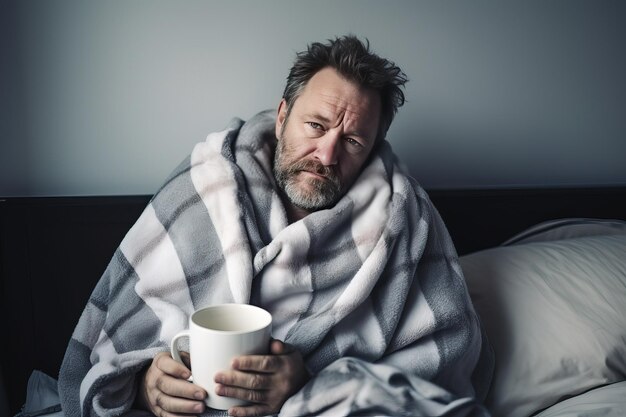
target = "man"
x: 311, y: 220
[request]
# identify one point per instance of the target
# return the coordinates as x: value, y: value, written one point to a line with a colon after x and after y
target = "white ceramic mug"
x: 217, y: 335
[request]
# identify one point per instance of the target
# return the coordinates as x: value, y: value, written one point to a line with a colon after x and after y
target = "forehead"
x: 332, y: 96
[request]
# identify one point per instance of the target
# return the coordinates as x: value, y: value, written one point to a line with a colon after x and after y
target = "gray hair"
x: 353, y: 60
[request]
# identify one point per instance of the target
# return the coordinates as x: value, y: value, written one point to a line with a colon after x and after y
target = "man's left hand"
x: 266, y: 381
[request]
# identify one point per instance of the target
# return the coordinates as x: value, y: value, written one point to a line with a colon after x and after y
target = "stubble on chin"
x: 305, y: 191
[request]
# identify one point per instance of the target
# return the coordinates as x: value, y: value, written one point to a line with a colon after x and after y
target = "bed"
x: 546, y: 269
x: 553, y: 303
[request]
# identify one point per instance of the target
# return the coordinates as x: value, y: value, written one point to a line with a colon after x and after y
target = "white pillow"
x: 568, y: 229
x: 555, y: 314
x: 606, y: 401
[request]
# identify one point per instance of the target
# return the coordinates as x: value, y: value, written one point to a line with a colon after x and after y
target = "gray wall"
x: 107, y: 97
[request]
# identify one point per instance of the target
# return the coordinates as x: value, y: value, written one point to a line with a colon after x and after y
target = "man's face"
x: 325, y: 141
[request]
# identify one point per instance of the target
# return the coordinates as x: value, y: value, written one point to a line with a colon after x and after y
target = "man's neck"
x: 294, y: 213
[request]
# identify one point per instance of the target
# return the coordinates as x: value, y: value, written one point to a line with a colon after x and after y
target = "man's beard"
x: 320, y: 193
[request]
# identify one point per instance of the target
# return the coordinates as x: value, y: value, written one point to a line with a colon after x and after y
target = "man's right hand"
x: 165, y: 391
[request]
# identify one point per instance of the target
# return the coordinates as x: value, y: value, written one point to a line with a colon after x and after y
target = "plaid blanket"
x: 374, y: 280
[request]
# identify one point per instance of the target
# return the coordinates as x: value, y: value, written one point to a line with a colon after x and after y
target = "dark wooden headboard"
x: 480, y: 219
x: 53, y: 250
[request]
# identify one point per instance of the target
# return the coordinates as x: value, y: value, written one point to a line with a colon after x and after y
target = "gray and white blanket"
x: 374, y: 280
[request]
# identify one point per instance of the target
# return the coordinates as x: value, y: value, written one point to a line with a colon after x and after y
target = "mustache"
x: 309, y: 165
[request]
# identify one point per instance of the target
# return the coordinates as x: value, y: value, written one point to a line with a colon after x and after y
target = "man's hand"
x: 265, y: 381
x: 165, y: 391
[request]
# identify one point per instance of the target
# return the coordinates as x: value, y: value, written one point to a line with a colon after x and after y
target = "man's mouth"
x: 315, y: 174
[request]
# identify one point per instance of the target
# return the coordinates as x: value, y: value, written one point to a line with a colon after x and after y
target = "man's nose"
x: 327, y: 151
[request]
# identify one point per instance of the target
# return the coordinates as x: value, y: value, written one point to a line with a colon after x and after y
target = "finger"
x: 158, y: 411
x: 248, y: 380
x: 277, y: 347
x: 251, y: 411
x: 167, y: 364
x: 177, y: 406
x: 253, y: 396
x: 176, y: 387
x: 257, y: 363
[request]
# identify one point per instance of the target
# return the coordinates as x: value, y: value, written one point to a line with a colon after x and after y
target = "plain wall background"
x: 106, y: 98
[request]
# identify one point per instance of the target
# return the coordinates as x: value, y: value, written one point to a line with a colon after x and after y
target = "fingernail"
x: 198, y: 407
x: 199, y: 395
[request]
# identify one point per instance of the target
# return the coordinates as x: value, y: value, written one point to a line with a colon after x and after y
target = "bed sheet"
x: 606, y: 401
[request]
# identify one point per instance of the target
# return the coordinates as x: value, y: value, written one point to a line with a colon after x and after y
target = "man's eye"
x: 353, y: 142
x: 315, y: 126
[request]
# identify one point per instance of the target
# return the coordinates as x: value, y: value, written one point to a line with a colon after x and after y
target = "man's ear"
x: 281, y: 115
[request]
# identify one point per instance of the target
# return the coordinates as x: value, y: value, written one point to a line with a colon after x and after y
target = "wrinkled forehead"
x: 341, y: 100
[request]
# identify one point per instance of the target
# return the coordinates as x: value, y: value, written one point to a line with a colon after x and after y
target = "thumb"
x: 277, y: 347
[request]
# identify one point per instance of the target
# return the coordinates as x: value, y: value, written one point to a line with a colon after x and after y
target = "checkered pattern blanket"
x: 374, y: 280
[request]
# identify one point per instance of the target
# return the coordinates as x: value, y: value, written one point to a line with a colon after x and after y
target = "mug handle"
x: 174, y: 348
